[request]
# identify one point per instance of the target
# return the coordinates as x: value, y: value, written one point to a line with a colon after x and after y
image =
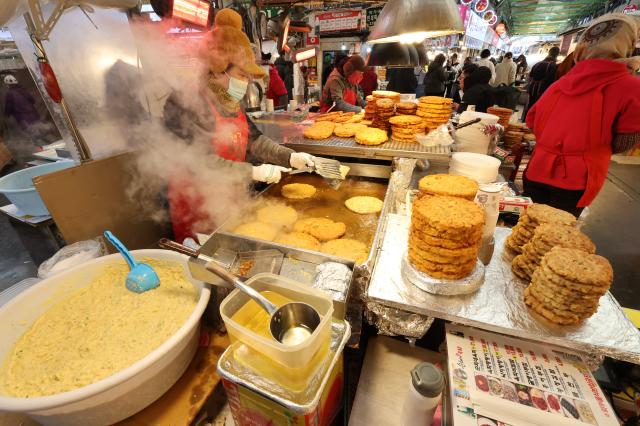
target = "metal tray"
x: 498, y: 305
x: 348, y: 147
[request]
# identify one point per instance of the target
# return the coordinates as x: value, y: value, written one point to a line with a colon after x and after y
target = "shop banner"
x: 372, y: 15
x: 476, y: 27
x: 464, y: 14
x: 347, y: 20
x: 502, y: 380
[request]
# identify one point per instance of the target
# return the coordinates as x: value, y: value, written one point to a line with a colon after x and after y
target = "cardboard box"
x: 5, y: 155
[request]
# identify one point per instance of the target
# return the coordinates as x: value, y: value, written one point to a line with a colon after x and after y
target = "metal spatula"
x: 327, y: 168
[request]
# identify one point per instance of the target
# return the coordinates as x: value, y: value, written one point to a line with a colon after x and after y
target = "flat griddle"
x: 329, y: 203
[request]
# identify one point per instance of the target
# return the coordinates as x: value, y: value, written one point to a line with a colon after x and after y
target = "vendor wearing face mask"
x: 215, y: 118
x: 342, y: 87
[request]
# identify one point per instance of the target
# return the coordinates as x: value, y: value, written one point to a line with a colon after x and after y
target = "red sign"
x: 313, y: 40
x: 501, y: 28
x: 630, y: 8
x: 348, y: 20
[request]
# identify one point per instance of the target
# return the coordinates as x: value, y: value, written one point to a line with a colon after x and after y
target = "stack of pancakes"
x: 546, y: 237
x: 386, y: 94
x: 445, y: 236
x: 370, y: 109
x: 406, y: 108
x: 450, y: 185
x: 435, y: 110
x: 534, y: 216
x: 404, y: 128
x: 384, y: 111
x: 567, y: 287
x: 503, y: 113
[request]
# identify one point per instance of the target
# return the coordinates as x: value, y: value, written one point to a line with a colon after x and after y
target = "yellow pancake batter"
x: 97, y: 331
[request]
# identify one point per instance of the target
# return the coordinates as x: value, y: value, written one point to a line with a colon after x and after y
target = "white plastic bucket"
x: 18, y: 187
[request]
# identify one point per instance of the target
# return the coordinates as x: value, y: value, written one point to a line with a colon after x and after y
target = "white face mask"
x: 237, y: 88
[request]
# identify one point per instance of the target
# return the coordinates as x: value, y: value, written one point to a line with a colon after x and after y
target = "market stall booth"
x: 403, y: 233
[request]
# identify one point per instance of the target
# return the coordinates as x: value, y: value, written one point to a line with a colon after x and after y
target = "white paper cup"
x: 293, y: 104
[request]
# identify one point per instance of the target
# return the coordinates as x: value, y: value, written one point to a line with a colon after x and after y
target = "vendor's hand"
x: 300, y: 160
x: 268, y: 173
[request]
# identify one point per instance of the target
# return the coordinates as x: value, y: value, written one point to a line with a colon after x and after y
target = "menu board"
x: 498, y: 380
x: 346, y: 20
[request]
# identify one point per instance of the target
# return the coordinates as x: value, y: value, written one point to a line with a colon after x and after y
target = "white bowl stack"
x: 472, y: 138
x: 479, y: 167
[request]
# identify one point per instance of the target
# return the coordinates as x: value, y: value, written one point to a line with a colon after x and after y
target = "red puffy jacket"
x: 276, y: 85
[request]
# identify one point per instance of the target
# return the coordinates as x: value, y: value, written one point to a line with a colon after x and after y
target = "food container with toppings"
x: 248, y: 323
x: 119, y: 394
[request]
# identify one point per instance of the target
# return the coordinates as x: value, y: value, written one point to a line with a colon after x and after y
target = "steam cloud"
x: 134, y: 100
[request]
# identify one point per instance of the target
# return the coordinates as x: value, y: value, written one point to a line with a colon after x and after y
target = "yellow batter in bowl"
x: 97, y: 331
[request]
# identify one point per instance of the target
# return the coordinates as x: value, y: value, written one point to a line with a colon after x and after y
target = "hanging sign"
x: 493, y: 20
x: 488, y: 15
x: 481, y: 6
x: 372, y: 15
x: 466, y: 2
x: 313, y: 40
x: 347, y: 20
x: 501, y: 28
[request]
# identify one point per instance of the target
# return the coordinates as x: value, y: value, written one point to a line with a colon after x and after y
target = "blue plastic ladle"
x: 142, y: 277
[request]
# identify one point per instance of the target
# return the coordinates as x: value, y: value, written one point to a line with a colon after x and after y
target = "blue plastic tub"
x: 18, y: 187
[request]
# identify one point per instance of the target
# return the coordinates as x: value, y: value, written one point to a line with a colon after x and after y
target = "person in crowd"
x: 458, y: 92
x: 590, y: 113
x: 276, y: 89
x: 331, y: 66
x: 369, y: 82
x: 566, y: 65
x: 420, y: 74
x: 211, y: 116
x: 477, y: 90
x: 485, y: 61
x: 342, y: 88
x: 455, y: 65
x: 285, y: 70
x: 402, y: 80
x: 20, y: 104
x: 542, y: 75
x: 505, y: 71
x: 521, y: 67
x: 467, y: 61
x: 436, y: 77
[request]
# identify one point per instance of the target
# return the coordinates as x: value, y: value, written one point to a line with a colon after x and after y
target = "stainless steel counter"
x: 498, y: 305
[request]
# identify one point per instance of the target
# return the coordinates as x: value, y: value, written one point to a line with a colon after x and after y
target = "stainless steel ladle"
x: 289, y: 324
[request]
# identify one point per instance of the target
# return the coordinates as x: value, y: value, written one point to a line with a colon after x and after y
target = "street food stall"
x: 279, y: 312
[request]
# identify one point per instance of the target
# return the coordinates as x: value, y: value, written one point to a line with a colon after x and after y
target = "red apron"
x: 596, y: 155
x: 184, y: 197
x: 348, y: 95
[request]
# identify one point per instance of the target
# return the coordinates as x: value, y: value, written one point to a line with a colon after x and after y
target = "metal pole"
x: 81, y: 145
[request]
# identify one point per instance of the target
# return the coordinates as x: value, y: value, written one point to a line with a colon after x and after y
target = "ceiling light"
x: 397, y: 54
x: 412, y: 21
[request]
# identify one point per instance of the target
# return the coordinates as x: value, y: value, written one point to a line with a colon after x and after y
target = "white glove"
x: 268, y: 173
x: 300, y: 160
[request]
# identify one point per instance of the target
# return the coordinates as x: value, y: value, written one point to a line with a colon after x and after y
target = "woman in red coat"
x: 590, y: 113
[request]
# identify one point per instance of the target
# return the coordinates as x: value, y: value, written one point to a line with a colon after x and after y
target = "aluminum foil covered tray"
x: 498, y: 305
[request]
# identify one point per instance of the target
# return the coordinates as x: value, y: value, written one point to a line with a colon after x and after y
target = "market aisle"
x: 613, y: 224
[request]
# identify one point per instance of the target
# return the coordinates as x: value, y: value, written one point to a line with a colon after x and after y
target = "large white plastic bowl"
x: 125, y: 392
